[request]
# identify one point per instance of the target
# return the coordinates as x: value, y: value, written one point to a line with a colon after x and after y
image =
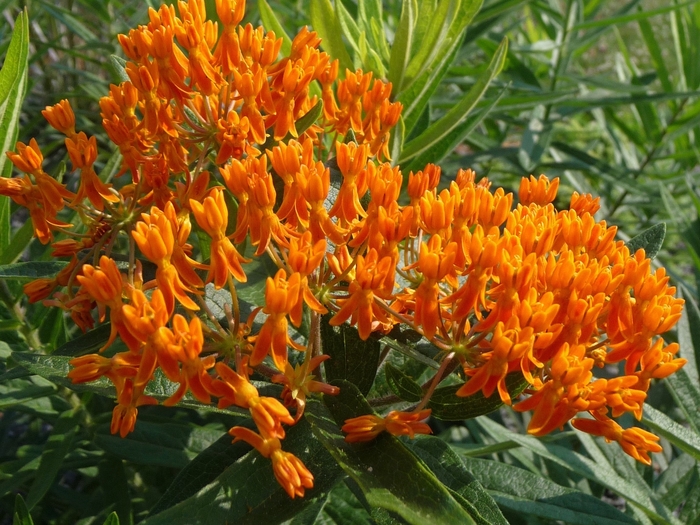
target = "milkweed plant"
x: 235, y: 156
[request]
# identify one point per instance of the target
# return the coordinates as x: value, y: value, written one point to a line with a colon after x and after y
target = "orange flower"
x: 61, y: 117
x: 540, y: 191
x: 634, y: 441
x: 281, y: 295
x: 288, y: 469
x: 193, y: 375
x: 212, y: 217
x: 267, y: 412
x: 359, y: 306
x: 366, y: 428
x: 155, y: 237
x: 129, y: 399
x: 299, y: 383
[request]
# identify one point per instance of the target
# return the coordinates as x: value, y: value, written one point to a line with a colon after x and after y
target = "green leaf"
x: 117, y: 67
x: 57, y: 447
x: 204, y: 469
x: 684, y: 438
x: 446, y: 405
x: 13, y: 85
x: 87, y: 343
x: 271, y: 23
x: 651, y: 240
x: 326, y: 24
x: 19, y: 242
x: 451, y: 471
x: 21, y: 514
x: 157, y: 443
x: 448, y: 143
x: 247, y: 492
x: 401, y: 48
x: 73, y: 23
x: 523, y: 492
x: 601, y: 473
x: 342, y: 508
x: 402, y: 385
x: 28, y: 271
x: 431, y: 41
x: 352, y: 358
x: 111, y: 473
x: 440, y: 129
x: 416, y: 97
x: 390, y: 476
x: 687, y: 396
x: 689, y: 337
x: 112, y: 519
x: 640, y: 15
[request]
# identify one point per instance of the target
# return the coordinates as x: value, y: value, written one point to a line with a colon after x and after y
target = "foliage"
x: 520, y: 91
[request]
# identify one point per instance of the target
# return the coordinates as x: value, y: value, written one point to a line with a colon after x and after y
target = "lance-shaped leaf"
x: 13, y: 85
x: 442, y: 128
x: 651, y: 240
x: 21, y: 515
x: 684, y: 438
x: 450, y: 470
x: 390, y: 476
x: 402, y: 385
x: 352, y: 358
x: 247, y: 492
x: 325, y: 23
x: 523, y: 492
x: 28, y: 271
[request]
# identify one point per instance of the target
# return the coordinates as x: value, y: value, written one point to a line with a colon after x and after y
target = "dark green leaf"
x: 55, y: 451
x: 684, y: 438
x: 390, y: 476
x: 526, y: 493
x: 401, y: 48
x: 601, y: 473
x: 247, y: 492
x: 21, y: 514
x: 438, y: 130
x: 113, y: 475
x: 112, y: 519
x: 28, y: 271
x: 158, y: 443
x: 651, y: 240
x: 13, y: 85
x: 687, y: 396
x: 87, y: 343
x: 352, y: 358
x: 203, y: 469
x: 689, y: 337
x: 451, y: 471
x: 448, y: 406
x: 640, y: 15
x: 343, y: 508
x: 402, y: 385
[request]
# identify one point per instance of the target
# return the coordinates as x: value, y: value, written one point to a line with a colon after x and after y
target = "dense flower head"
x: 227, y: 177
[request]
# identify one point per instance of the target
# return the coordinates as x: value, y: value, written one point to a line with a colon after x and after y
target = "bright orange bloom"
x: 366, y: 428
x: 267, y: 412
x: 299, y: 383
x: 359, y: 306
x: 540, y: 191
x: 83, y: 153
x: 634, y: 441
x: 212, y: 217
x: 289, y: 470
x: 155, y: 237
x: 129, y: 399
x: 187, y: 349
x: 281, y: 296
x: 61, y: 117
x: 352, y: 160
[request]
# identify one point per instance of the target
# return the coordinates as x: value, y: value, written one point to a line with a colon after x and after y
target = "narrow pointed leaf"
x: 326, y: 24
x: 651, y: 240
x: 28, y: 271
x: 440, y: 129
x: 390, y: 476
x: 684, y: 438
x: 21, y: 514
x: 271, y: 23
x: 401, y: 48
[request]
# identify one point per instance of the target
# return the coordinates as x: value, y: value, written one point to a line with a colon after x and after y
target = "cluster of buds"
x: 205, y: 123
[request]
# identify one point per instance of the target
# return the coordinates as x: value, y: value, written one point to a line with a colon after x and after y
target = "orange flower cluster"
x: 221, y: 129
